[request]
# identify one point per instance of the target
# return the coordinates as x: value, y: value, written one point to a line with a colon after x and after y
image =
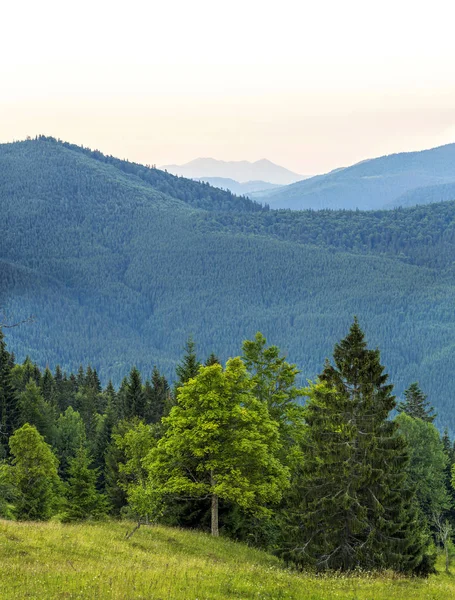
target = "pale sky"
x: 309, y: 85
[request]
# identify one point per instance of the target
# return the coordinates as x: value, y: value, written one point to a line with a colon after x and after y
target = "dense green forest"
x: 119, y: 263
x: 336, y: 484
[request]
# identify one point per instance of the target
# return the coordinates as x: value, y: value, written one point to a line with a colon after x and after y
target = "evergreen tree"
x: 157, y: 397
x: 83, y: 499
x: 450, y: 461
x: 103, y: 434
x: 34, y: 409
x: 212, y: 360
x: 29, y: 371
x: 47, y: 387
x: 135, y: 397
x: 8, y: 404
x: 189, y: 366
x: 416, y: 404
x: 353, y: 503
x: 69, y: 437
x: 61, y: 382
x: 80, y: 378
x: 86, y: 403
x: 121, y: 400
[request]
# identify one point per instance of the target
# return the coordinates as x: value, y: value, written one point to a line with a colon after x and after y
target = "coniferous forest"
x: 348, y: 479
x: 119, y: 263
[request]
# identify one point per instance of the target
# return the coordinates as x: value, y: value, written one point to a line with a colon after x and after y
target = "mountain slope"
x: 425, y: 195
x: 371, y: 184
x: 118, y: 273
x: 242, y: 170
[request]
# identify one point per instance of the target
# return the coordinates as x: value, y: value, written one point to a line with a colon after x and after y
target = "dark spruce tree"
x: 158, y: 393
x: 83, y: 499
x: 9, y: 411
x: 212, y: 360
x: 135, y: 396
x: 449, y: 451
x: 189, y: 366
x: 352, y: 505
x: 416, y: 404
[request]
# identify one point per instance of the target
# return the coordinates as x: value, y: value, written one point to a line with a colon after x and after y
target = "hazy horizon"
x: 311, y: 88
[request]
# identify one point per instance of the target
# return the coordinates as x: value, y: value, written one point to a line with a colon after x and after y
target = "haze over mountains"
x: 249, y: 188
x: 120, y: 263
x: 403, y: 179
x: 241, y: 171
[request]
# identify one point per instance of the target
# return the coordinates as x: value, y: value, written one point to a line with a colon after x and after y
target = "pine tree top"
x: 416, y: 405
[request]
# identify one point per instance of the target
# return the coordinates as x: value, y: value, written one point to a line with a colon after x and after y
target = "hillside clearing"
x: 51, y: 560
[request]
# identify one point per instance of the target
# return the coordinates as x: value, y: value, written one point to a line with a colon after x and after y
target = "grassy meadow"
x: 95, y: 561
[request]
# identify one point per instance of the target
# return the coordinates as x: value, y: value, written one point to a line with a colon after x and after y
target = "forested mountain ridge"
x: 16, y: 158
x: 119, y: 269
x: 383, y: 182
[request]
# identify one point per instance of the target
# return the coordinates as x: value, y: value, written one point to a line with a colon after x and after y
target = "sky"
x: 309, y: 85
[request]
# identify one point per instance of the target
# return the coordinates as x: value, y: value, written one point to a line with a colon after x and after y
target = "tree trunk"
x: 215, y: 530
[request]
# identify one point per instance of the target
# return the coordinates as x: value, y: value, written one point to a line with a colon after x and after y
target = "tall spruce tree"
x: 353, y: 506
x: 416, y: 404
x: 158, y: 397
x: 83, y: 499
x: 135, y: 397
x: 9, y: 412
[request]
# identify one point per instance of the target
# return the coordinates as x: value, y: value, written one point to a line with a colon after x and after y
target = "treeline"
x: 197, y: 194
x: 335, y: 483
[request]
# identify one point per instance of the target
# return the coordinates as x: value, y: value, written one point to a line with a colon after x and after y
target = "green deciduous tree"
x: 136, y: 444
x: 427, y: 464
x: 33, y: 473
x: 69, y: 437
x: 220, y: 442
x: 274, y: 384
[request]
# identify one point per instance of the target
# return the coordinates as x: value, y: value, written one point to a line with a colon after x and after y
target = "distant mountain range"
x: 240, y: 171
x: 403, y: 179
x: 249, y: 188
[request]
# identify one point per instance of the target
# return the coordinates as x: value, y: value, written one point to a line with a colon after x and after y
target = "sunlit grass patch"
x: 95, y: 561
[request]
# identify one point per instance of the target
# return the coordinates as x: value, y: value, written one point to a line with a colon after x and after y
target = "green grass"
x: 51, y: 560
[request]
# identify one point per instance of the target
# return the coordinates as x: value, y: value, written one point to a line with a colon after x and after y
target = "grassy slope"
x: 95, y: 561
